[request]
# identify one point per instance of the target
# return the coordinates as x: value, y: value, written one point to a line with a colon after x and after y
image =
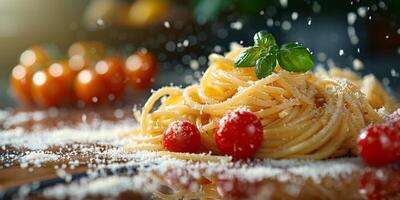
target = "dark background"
x: 209, y: 26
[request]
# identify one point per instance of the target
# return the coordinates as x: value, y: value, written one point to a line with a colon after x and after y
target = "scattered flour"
x: 37, y: 158
x: 112, y: 169
x: 110, y: 186
x: 107, y: 133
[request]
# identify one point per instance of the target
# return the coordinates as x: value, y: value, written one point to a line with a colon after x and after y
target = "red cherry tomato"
x: 34, y: 55
x: 78, y: 62
x: 62, y: 71
x: 379, y: 144
x: 47, y: 90
x: 84, y: 54
x: 90, y: 87
x: 239, y: 134
x: 64, y: 76
x: 111, y: 71
x: 140, y: 69
x: 380, y: 184
x: 20, y: 82
x: 181, y: 136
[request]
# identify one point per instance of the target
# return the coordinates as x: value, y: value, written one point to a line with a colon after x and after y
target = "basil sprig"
x: 266, y: 54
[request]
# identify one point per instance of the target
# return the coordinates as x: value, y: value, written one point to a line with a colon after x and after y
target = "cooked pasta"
x: 303, y: 115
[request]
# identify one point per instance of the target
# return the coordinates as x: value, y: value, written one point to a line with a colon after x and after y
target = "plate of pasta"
x: 262, y: 109
x: 303, y: 115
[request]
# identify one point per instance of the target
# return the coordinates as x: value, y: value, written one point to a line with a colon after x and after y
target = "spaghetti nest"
x: 304, y: 115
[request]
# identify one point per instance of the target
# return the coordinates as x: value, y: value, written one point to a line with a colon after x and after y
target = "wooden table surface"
x: 13, y: 175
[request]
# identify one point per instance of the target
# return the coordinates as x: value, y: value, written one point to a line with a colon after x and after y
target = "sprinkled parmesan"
x: 341, y: 52
x: 110, y: 186
x: 286, y: 25
x: 284, y: 3
x: 37, y: 158
x: 106, y: 133
x: 358, y: 64
x: 362, y: 11
x: 294, y: 16
x: 238, y: 25
x: 111, y: 159
x: 194, y: 64
x: 167, y: 24
x: 351, y: 18
x: 283, y: 114
x: 394, y: 73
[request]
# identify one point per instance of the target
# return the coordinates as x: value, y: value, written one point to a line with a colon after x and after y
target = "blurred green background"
x: 183, y: 33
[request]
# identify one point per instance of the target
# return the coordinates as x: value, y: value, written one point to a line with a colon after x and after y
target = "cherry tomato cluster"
x: 239, y: 134
x: 87, y: 75
x: 379, y: 144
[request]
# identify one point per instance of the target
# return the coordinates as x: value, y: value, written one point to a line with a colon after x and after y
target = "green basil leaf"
x: 264, y: 39
x: 265, y: 66
x: 274, y: 50
x: 295, y: 58
x: 248, y: 57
